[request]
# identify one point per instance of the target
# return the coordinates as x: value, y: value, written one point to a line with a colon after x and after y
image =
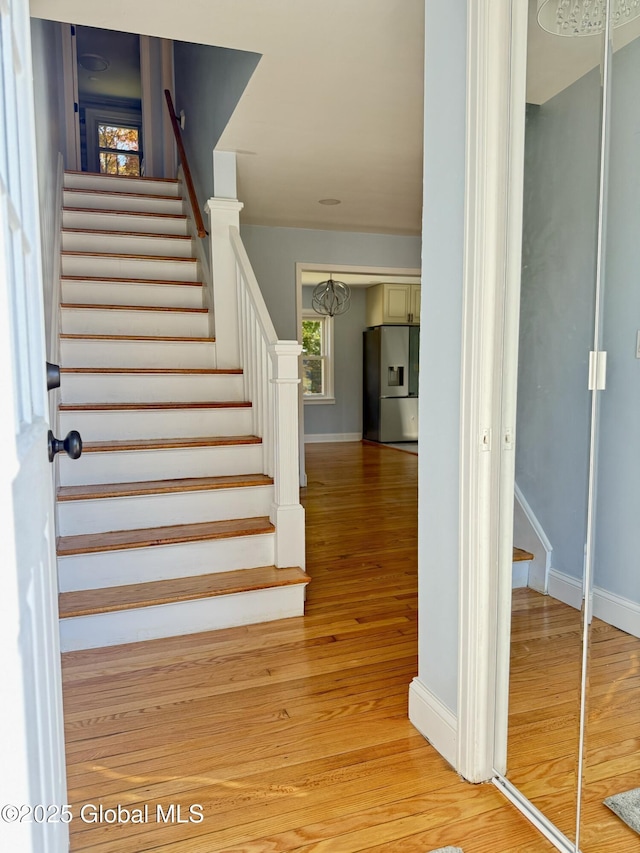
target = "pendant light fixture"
x: 331, y: 297
x: 583, y: 17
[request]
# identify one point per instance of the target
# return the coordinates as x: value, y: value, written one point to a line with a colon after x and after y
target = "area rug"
x: 447, y: 850
x: 627, y: 807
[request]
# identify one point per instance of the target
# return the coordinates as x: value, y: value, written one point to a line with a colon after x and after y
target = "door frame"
x: 337, y: 268
x: 495, y: 113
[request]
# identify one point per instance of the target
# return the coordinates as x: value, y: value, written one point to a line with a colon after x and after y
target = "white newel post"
x: 286, y: 512
x: 224, y: 213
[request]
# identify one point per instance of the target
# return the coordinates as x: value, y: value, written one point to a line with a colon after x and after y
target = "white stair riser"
x: 137, y: 203
x: 162, y: 562
x: 137, y: 511
x: 126, y: 244
x: 116, y: 183
x: 130, y: 293
x: 135, y: 465
x: 120, y: 221
x: 178, y: 354
x: 96, y: 266
x: 185, y: 617
x: 520, y: 574
x: 150, y: 388
x: 105, y: 321
x: 174, y: 423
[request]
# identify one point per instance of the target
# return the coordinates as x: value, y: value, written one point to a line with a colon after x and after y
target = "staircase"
x: 166, y: 522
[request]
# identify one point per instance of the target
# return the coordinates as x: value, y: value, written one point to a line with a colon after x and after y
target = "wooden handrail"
x: 182, y: 154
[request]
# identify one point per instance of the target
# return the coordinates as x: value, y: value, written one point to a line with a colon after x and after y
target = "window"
x: 317, y: 358
x: 119, y: 149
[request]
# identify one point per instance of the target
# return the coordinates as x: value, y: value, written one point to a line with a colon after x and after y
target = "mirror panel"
x: 561, y: 201
x: 612, y: 733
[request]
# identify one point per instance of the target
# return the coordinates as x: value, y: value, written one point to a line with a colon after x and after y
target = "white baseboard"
x: 565, y: 588
x: 622, y: 613
x: 434, y: 720
x: 320, y: 437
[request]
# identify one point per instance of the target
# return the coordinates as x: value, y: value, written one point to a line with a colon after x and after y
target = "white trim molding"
x: 529, y: 535
x: 622, y: 613
x: 327, y: 437
x: 496, y: 74
x: 433, y: 720
x: 565, y: 588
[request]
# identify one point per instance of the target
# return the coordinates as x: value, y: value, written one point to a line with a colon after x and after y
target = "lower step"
x: 521, y: 563
x: 161, y: 459
x: 117, y: 506
x: 135, y: 612
x: 96, y: 560
x: 128, y: 351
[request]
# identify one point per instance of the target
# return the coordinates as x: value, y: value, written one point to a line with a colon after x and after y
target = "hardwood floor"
x: 292, y: 735
x: 543, y: 719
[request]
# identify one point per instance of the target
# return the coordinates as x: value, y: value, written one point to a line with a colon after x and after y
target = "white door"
x: 31, y: 743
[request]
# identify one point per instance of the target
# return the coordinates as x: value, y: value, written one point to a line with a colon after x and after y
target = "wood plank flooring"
x: 292, y: 735
x: 543, y: 719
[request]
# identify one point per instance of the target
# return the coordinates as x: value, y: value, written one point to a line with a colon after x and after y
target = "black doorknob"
x: 72, y: 445
x: 53, y: 376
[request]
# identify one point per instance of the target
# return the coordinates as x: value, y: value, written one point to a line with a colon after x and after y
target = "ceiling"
x: 121, y: 79
x: 310, y: 278
x: 334, y: 108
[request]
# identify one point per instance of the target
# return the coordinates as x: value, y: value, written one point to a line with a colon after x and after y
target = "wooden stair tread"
x: 88, y: 190
x: 108, y: 307
x: 109, y: 212
x: 122, y: 177
x: 124, y: 280
x: 107, y: 233
x: 110, y: 599
x: 77, y: 336
x: 151, y: 407
x: 519, y: 556
x: 157, y: 487
x: 208, y: 371
x: 148, y: 537
x: 129, y: 256
x: 168, y: 443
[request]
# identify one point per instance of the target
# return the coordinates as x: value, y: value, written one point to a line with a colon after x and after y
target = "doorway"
x: 337, y: 416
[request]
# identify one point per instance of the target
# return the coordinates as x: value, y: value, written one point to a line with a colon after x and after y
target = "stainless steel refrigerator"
x: 390, y: 396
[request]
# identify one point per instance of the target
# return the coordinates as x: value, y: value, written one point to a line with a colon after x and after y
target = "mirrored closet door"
x: 612, y: 702
x: 558, y: 297
x: 574, y: 691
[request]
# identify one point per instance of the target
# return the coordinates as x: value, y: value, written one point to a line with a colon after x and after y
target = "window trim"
x: 328, y: 356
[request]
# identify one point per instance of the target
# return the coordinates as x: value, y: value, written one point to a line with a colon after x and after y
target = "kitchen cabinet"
x: 390, y: 303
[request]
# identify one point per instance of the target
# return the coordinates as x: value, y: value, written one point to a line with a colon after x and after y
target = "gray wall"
x: 345, y: 415
x: 556, y: 318
x: 618, y: 496
x: 50, y: 140
x: 209, y: 82
x: 440, y: 347
x: 274, y: 252
x: 557, y: 326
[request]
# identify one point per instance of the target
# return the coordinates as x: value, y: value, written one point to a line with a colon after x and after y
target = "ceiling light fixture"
x: 330, y: 201
x: 331, y: 297
x: 93, y: 62
x: 583, y: 17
